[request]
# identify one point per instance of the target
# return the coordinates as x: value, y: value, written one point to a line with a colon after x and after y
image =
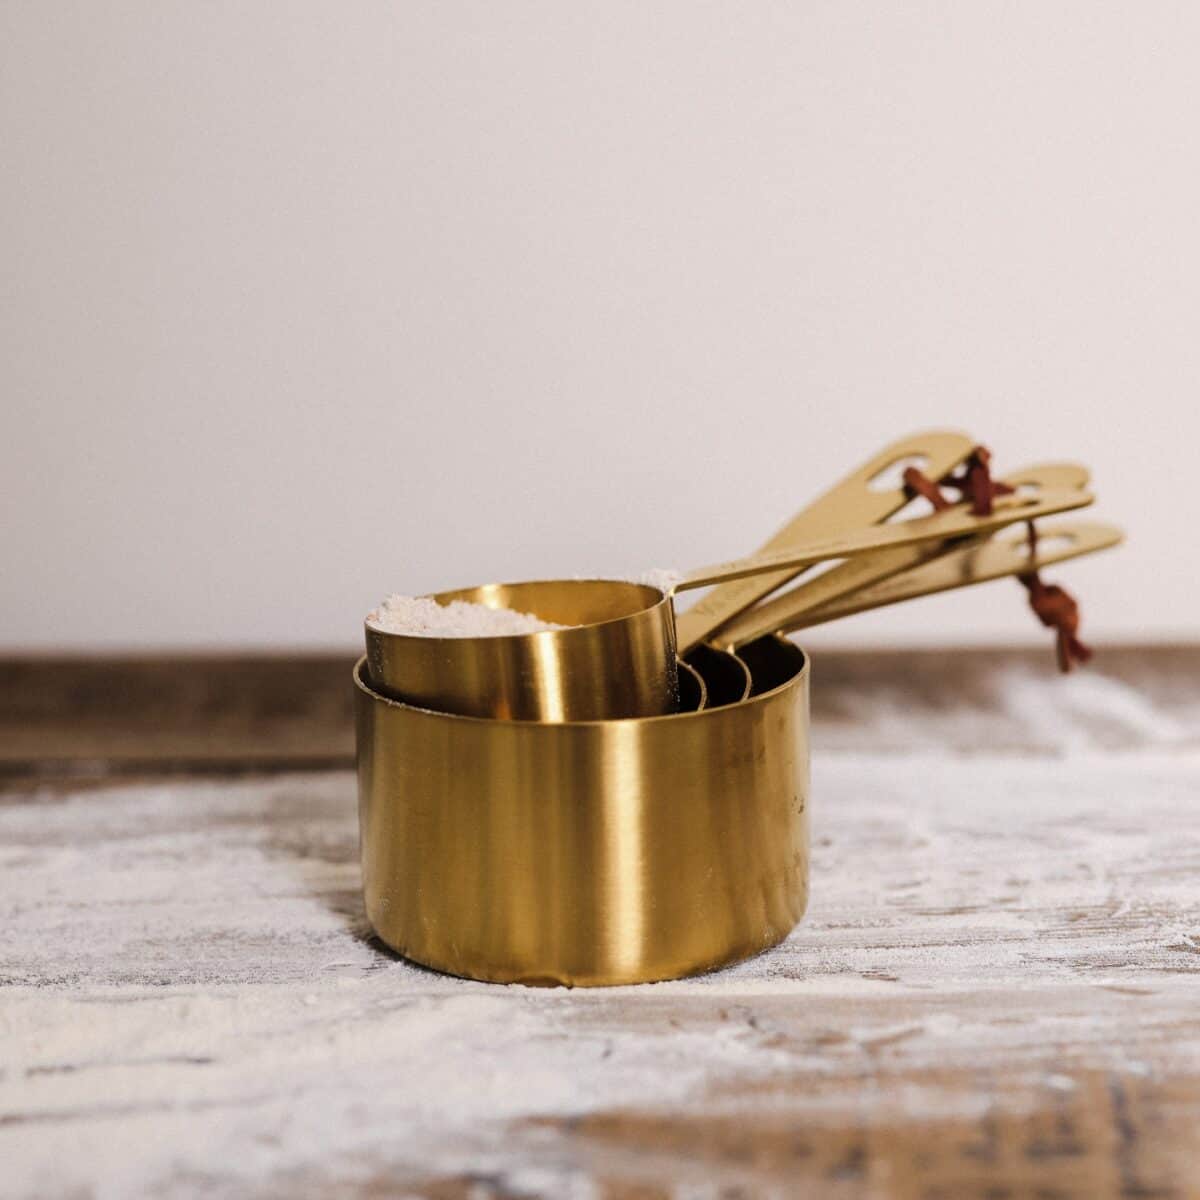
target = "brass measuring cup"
x: 587, y: 853
x: 725, y: 675
x: 617, y: 851
x: 693, y: 689
x: 617, y: 656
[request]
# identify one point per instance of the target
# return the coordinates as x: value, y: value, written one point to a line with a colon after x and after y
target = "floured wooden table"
x: 995, y: 993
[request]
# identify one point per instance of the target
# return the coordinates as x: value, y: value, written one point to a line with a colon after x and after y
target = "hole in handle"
x: 891, y: 477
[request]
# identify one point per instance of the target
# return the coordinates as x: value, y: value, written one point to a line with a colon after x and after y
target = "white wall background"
x: 301, y: 303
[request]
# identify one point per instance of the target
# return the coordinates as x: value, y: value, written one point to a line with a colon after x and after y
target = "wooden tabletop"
x: 995, y: 992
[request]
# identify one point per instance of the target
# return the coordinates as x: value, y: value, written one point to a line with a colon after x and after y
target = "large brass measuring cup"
x: 616, y: 656
x: 588, y: 853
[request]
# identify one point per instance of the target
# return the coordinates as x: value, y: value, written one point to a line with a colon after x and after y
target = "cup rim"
x: 717, y: 713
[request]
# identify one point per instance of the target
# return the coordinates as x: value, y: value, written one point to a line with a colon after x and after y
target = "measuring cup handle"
x: 856, y: 500
x: 789, y: 610
x: 980, y: 561
x: 936, y: 527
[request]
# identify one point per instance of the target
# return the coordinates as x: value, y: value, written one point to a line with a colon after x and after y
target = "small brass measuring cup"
x: 616, y: 656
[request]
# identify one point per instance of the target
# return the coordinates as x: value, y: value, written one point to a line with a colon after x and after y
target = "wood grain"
x: 95, y: 717
x: 90, y: 717
x: 995, y: 993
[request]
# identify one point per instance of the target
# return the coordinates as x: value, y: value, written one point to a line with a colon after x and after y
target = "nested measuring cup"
x: 616, y: 656
x: 870, y: 493
x: 609, y: 852
x: 587, y: 853
x: 693, y: 689
x: 725, y: 676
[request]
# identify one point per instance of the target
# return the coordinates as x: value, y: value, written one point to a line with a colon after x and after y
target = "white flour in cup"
x: 420, y: 616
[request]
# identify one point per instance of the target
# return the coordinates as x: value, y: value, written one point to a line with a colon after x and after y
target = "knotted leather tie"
x: 1054, y: 606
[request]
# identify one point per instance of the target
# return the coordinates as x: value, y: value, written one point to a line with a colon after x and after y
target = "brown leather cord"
x: 1054, y: 606
x: 1057, y: 609
x: 976, y: 484
x: 919, y: 484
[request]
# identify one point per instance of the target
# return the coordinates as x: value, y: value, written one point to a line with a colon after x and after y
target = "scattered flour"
x: 191, y: 993
x: 424, y: 617
x: 663, y: 578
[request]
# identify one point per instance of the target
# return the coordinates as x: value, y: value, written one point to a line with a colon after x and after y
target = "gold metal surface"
x: 857, y: 500
x: 693, y: 688
x: 853, y: 502
x: 617, y: 659
x: 852, y: 577
x: 587, y: 853
x: 976, y: 562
